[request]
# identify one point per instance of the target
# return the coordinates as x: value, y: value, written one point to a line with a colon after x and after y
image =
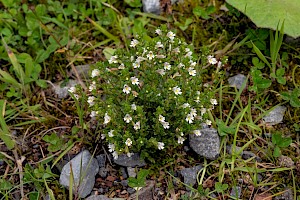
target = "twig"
x: 20, y: 168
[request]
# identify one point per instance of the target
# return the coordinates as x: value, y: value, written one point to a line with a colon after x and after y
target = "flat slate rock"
x: 62, y: 91
x: 275, y: 116
x: 97, y: 197
x: 237, y: 80
x: 206, y: 145
x: 133, y: 161
x: 146, y: 193
x: 190, y: 175
x: 84, y: 168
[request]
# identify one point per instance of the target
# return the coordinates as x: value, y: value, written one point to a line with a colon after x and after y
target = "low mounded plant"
x: 151, y: 97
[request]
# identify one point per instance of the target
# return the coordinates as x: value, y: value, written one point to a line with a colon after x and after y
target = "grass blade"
x: 4, y: 131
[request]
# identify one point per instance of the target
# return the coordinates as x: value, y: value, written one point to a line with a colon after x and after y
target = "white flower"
x: 176, y: 50
x: 159, y: 45
x: 136, y: 65
x: 150, y: 55
x: 193, y: 112
x: 189, y: 118
x: 72, y: 89
x: 203, y: 111
x: 121, y: 66
x: 95, y: 73
x: 197, y: 132
x: 127, y: 118
x: 211, y: 60
x: 180, y: 65
x: 92, y: 87
x: 140, y: 59
x: 126, y: 89
x: 160, y: 145
x: 113, y: 59
x: 115, y: 155
x: 134, y: 80
x: 171, y: 35
x: 193, y: 64
x: 166, y: 125
x: 161, y: 71
x: 188, y: 54
x: 76, y: 96
x: 137, y: 125
x: 106, y: 118
x: 111, y: 147
x: 177, y: 90
x: 187, y: 50
x: 213, y: 102
x: 91, y: 100
x: 128, y: 142
x: 167, y: 66
x: 186, y: 105
x: 219, y: 64
x: 192, y: 71
x: 180, y: 140
x: 208, y: 122
x: 134, y: 42
x: 158, y: 31
x: 161, y: 118
x: 103, y: 136
x: 133, y: 106
x: 111, y: 133
x: 93, y: 114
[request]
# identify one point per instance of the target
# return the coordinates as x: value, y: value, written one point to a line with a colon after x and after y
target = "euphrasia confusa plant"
x: 152, y: 97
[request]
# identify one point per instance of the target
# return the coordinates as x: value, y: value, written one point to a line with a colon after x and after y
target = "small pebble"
x: 130, y: 190
x: 124, y: 173
x: 131, y: 172
x: 101, y: 190
x: 101, y: 160
x: 124, y: 183
x: 102, y: 172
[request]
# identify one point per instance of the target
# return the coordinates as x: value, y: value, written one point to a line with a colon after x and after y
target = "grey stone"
x: 101, y: 160
x: 248, y: 154
x: 190, y: 175
x: 287, y: 195
x: 97, y: 197
x: 237, y: 80
x: 275, y: 116
x: 84, y: 169
x: 237, y: 149
x: 124, y: 173
x: 133, y: 161
x: 62, y: 91
x: 124, y: 183
x: 236, y: 192
x: 131, y: 190
x: 206, y: 145
x: 83, y: 70
x: 131, y: 172
x: 145, y: 192
x: 103, y: 172
x: 151, y: 6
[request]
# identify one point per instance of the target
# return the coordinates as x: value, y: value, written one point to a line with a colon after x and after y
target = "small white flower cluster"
x: 165, y: 124
x: 73, y: 91
x: 163, y: 70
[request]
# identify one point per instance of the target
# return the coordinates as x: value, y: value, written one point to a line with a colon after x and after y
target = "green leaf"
x: 267, y: 14
x: 220, y: 187
x: 140, y: 181
x: 285, y: 142
x: 5, y: 185
x: 276, y: 137
x: 260, y: 55
x: 276, y: 152
x: 134, y: 3
x: 285, y: 95
x: 223, y: 129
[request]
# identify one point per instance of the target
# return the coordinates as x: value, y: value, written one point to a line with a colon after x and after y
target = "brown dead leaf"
x: 265, y: 196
